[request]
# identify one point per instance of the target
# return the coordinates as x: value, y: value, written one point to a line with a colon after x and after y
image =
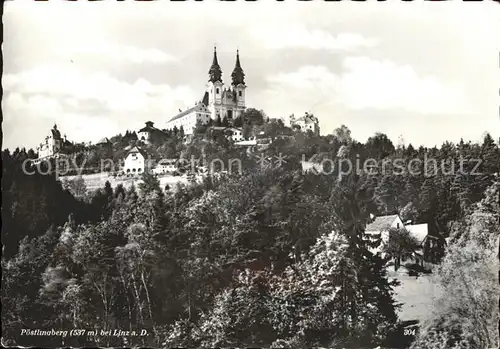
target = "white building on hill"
x: 420, y: 232
x: 236, y: 134
x: 308, y: 122
x: 219, y: 101
x: 135, y: 162
x: 150, y: 134
x: 231, y: 133
x: 188, y: 118
x: 52, y: 145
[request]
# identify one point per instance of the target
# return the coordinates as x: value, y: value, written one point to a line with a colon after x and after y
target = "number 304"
x: 409, y: 332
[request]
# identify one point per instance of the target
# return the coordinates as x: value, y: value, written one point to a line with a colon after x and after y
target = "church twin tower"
x: 225, y: 102
x: 219, y: 101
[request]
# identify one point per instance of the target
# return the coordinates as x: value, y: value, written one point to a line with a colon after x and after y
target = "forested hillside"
x: 271, y: 256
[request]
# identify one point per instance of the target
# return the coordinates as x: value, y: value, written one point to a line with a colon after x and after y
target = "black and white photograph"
x: 251, y: 174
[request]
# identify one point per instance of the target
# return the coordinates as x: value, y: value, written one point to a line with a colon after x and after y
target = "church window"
x: 239, y: 93
x: 217, y: 90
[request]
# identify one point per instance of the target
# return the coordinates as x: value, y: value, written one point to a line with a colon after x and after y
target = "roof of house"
x: 381, y: 223
x: 224, y: 128
x: 137, y: 150
x: 205, y: 99
x: 247, y: 143
x: 104, y: 140
x: 149, y: 128
x: 418, y: 231
x: 188, y: 111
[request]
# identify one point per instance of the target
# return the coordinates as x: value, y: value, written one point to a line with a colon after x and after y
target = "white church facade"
x: 219, y: 101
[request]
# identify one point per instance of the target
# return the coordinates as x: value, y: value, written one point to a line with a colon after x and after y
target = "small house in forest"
x: 430, y: 247
x: 382, y: 225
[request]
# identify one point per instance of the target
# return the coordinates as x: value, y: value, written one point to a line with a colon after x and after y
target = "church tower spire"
x: 215, y: 73
x: 238, y: 75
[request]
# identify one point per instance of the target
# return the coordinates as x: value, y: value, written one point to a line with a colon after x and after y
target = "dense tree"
x: 343, y: 134
x: 199, y: 264
x: 466, y: 310
x: 149, y: 183
x: 400, y: 246
x: 31, y: 203
x: 366, y: 304
x: 379, y: 146
x: 76, y: 187
x: 253, y: 117
x: 385, y: 195
x: 218, y: 121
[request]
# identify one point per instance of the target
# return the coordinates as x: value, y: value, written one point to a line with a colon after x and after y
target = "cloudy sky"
x: 426, y: 71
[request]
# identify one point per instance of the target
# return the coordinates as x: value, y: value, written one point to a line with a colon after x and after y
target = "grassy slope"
x: 95, y: 181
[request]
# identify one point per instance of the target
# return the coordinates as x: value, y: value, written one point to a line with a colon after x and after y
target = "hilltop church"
x: 219, y: 101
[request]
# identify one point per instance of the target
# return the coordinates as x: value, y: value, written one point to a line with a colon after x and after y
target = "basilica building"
x: 219, y: 101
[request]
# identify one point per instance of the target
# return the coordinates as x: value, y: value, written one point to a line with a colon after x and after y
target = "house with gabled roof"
x: 104, y: 141
x: 136, y: 161
x: 420, y: 232
x: 382, y: 225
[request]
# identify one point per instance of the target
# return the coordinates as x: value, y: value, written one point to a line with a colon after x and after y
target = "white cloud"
x: 307, y: 77
x: 385, y: 85
x: 70, y: 83
x: 86, y: 105
x: 367, y: 83
x: 117, y: 53
x: 368, y: 93
x: 281, y: 37
x: 42, y: 105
